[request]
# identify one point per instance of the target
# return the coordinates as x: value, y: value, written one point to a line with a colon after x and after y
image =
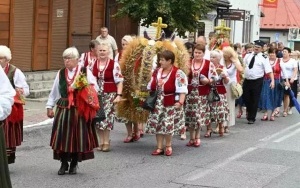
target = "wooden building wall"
x: 22, y: 34
x: 38, y: 31
x: 5, y: 16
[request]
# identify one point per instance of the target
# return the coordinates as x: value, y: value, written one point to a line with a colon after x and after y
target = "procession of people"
x: 171, y: 87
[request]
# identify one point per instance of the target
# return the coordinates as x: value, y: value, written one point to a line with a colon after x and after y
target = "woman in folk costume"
x: 13, y: 127
x: 219, y: 110
x: 125, y: 115
x: 88, y: 59
x: 73, y: 135
x: 197, y: 109
x: 7, y: 94
x: 110, y: 82
x: 168, y: 81
x: 271, y: 99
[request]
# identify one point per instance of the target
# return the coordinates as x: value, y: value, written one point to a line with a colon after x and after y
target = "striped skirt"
x: 4, y: 172
x: 72, y: 134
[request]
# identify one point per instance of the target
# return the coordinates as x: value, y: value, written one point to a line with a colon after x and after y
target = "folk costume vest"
x: 169, y: 87
x: 276, y: 70
x: 219, y: 84
x: 17, y: 112
x: 109, y: 82
x: 202, y: 89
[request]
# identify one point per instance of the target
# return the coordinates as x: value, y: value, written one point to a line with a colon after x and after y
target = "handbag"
x: 213, y: 95
x: 100, y: 115
x: 150, y: 101
x: 236, y: 90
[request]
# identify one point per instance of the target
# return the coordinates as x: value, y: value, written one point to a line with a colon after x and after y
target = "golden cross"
x: 159, y: 25
x: 222, y: 28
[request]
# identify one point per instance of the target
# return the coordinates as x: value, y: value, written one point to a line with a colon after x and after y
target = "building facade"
x: 38, y: 31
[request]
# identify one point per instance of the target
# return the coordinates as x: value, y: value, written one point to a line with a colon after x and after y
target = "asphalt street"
x: 266, y: 154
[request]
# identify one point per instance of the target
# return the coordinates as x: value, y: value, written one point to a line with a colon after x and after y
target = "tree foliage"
x: 182, y: 15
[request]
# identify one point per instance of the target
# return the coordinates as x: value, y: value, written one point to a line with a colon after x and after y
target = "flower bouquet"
x: 139, y: 98
x: 87, y: 97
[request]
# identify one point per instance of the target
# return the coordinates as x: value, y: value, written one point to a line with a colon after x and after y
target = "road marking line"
x: 287, y: 136
x: 246, y: 151
x: 267, y: 138
x: 227, y: 161
x: 47, y: 121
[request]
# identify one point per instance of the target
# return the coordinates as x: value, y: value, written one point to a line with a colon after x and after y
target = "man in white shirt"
x: 7, y: 94
x: 256, y: 65
x: 106, y: 38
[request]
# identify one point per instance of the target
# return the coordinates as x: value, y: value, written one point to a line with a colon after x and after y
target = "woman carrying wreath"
x: 73, y: 137
x: 168, y: 81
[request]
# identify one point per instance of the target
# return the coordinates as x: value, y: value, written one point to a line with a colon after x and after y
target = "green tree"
x: 182, y: 15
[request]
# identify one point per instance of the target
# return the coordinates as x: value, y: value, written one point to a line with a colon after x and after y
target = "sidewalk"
x: 35, y: 113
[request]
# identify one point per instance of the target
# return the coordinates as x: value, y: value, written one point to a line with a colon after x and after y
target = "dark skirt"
x: 72, y: 134
x: 13, y: 137
x: 4, y: 172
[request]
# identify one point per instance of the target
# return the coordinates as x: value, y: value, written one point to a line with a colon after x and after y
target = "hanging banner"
x: 270, y: 3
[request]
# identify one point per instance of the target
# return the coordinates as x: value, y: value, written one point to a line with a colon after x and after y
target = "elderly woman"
x: 110, y: 82
x: 13, y: 127
x: 271, y: 99
x: 72, y: 135
x: 7, y: 94
x: 168, y: 81
x: 197, y: 109
x: 289, y: 69
x: 219, y: 110
x: 233, y: 66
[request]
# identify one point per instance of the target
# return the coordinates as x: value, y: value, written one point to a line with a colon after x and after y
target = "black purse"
x: 100, y: 115
x: 150, y: 101
x: 213, y: 95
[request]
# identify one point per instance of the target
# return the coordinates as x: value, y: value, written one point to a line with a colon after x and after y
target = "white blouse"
x: 55, y: 95
x: 7, y: 94
x: 20, y: 81
x: 181, y: 81
x: 287, y: 68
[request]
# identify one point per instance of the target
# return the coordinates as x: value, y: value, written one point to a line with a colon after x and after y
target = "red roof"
x: 286, y: 15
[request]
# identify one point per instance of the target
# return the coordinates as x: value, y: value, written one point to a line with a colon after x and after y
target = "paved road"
x: 266, y: 154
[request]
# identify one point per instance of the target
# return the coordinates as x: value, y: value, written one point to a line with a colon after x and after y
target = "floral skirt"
x: 197, y: 110
x: 109, y: 109
x: 161, y: 120
x: 219, y: 110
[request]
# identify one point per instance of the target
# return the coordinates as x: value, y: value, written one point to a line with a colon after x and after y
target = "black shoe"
x: 250, y: 122
x: 63, y: 168
x: 73, y: 168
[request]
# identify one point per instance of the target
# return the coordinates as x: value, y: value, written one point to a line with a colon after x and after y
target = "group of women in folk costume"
x: 13, y: 126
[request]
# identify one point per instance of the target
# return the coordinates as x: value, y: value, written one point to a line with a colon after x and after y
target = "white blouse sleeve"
x: 91, y: 79
x: 81, y: 60
x: 181, y: 82
x: 54, y: 94
x: 118, y: 77
x: 7, y: 94
x: 20, y: 81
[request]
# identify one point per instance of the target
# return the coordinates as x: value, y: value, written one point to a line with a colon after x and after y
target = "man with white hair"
x: 7, y: 94
x: 14, y: 123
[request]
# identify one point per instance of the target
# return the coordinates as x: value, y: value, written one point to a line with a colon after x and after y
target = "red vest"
x: 276, y: 70
x: 169, y: 87
x: 109, y: 82
x: 203, y: 89
x: 220, y: 86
